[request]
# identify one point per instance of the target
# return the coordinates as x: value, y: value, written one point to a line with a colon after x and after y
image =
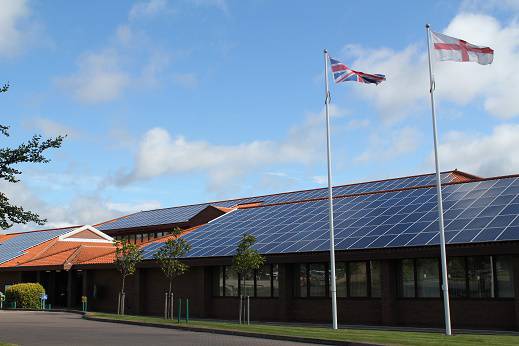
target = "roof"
x: 183, y: 214
x: 53, y: 247
x: 486, y: 210
x: 110, y: 256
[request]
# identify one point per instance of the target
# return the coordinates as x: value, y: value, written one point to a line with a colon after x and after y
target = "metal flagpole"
x: 333, y: 288
x: 445, y: 280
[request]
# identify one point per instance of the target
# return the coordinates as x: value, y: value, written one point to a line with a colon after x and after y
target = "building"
x: 387, y: 253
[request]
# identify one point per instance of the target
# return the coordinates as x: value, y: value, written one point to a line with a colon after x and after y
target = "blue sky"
x: 176, y: 102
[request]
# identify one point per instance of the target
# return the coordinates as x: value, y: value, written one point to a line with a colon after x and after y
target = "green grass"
x: 361, y: 335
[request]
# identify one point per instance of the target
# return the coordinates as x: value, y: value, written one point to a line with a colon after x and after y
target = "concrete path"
x: 56, y: 328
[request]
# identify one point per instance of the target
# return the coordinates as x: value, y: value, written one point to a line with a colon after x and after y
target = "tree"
x: 127, y: 256
x: 246, y: 261
x: 30, y: 152
x: 168, y: 258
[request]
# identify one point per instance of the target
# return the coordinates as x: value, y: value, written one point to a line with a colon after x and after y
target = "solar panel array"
x: 484, y: 211
x: 184, y: 213
x: 16, y: 246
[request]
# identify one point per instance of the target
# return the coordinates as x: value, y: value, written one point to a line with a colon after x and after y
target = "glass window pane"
x: 263, y: 281
x: 249, y: 285
x: 407, y: 278
x: 480, y: 277
x: 231, y: 282
x: 340, y: 273
x: 302, y: 281
x: 358, y: 279
x: 218, y: 281
x: 317, y: 276
x: 275, y: 280
x: 376, y: 290
x: 427, y: 277
x: 505, y: 277
x: 457, y: 279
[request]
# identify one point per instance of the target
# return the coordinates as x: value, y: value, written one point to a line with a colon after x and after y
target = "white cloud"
x: 51, y: 128
x: 387, y: 146
x: 99, y: 79
x: 489, y: 5
x: 150, y: 8
x: 160, y: 153
x: 13, y: 33
x: 462, y: 83
x: 482, y: 154
x: 83, y: 209
x: 320, y: 179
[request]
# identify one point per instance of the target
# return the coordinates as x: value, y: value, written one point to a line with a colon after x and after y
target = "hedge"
x: 26, y: 295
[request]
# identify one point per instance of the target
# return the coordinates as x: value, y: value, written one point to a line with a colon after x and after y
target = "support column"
x: 515, y: 262
x: 52, y: 288
x: 84, y: 283
x: 69, y: 289
x: 137, y: 290
x: 38, y: 277
x: 389, y: 292
x: 285, y: 291
x: 206, y: 292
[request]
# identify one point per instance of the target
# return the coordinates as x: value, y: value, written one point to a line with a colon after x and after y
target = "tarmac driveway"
x: 56, y: 328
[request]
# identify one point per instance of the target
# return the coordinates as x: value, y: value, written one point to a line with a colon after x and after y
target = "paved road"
x: 55, y: 328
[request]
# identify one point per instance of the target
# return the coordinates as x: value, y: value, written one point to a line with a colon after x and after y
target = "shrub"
x: 26, y: 296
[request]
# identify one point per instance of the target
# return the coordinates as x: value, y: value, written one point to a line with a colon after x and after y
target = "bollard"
x: 166, y: 306
x: 248, y: 310
x: 179, y: 309
x: 187, y: 310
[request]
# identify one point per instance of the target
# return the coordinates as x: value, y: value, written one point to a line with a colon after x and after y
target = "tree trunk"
x: 122, y: 295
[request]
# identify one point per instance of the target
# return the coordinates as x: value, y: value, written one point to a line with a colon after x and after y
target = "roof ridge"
x: 289, y: 192
x: 44, y: 230
x: 381, y: 191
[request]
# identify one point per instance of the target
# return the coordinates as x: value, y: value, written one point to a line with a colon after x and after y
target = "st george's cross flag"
x: 453, y: 49
x: 342, y: 73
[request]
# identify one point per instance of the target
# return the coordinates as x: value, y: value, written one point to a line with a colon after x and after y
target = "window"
x: 358, y: 279
x: 342, y: 282
x: 231, y: 283
x: 218, y: 287
x: 457, y: 278
x: 480, y: 277
x: 317, y: 280
x: 375, y: 279
x: 227, y: 283
x: 427, y: 277
x: 353, y: 279
x: 504, y: 277
x: 469, y: 277
x: 302, y: 281
x: 264, y: 281
x: 275, y: 280
x: 407, y: 282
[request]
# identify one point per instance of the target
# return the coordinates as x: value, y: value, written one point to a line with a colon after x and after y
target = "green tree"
x: 246, y: 261
x: 127, y: 256
x: 31, y: 151
x: 169, y: 259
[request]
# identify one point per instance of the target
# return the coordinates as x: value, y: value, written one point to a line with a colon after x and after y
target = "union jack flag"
x: 342, y: 73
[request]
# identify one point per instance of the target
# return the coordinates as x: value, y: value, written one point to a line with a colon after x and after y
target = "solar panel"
x: 184, y: 213
x: 474, y: 212
x: 14, y: 247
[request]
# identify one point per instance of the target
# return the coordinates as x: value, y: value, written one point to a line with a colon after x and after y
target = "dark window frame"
x: 223, y: 269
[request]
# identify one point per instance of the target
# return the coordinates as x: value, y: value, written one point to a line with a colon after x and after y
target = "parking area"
x: 56, y: 328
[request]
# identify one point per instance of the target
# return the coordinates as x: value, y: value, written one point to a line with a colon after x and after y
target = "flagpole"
x: 445, y: 280
x: 333, y: 288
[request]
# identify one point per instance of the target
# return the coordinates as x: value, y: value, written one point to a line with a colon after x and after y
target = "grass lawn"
x: 360, y: 335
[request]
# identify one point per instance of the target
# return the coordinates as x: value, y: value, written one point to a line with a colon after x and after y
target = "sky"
x: 170, y: 103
